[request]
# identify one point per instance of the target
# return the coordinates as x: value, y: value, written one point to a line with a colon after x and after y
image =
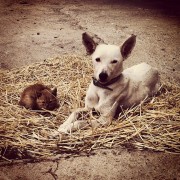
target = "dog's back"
x: 144, y: 81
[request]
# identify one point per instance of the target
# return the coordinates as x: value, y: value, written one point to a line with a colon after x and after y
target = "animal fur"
x: 39, y: 96
x: 112, y: 87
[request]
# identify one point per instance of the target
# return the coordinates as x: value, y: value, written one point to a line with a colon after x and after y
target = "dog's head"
x: 107, y: 59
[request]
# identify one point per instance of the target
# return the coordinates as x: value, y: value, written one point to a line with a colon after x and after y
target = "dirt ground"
x: 32, y: 31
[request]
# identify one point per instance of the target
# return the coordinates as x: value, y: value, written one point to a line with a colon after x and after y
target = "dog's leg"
x: 78, y: 124
x: 71, y: 124
x: 108, y: 112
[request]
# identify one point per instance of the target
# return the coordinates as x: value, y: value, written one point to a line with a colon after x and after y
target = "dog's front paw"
x: 63, y: 130
x: 62, y: 126
x: 105, y: 120
x: 94, y: 124
x: 56, y: 133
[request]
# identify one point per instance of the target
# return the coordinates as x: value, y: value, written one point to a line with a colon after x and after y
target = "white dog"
x: 112, y: 87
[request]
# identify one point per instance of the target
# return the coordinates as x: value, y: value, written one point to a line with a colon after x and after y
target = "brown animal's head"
x: 46, y: 99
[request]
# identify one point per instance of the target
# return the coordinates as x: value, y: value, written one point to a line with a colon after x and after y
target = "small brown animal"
x: 39, y: 96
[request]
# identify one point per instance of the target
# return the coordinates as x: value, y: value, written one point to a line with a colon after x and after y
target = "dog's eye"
x: 98, y: 59
x: 114, y: 62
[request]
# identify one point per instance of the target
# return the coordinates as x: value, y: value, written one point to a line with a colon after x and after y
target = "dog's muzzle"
x: 103, y: 77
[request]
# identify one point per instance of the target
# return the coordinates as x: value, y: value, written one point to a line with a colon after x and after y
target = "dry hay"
x: 26, y: 134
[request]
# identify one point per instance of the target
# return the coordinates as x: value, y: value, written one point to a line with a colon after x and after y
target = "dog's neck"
x: 105, y: 85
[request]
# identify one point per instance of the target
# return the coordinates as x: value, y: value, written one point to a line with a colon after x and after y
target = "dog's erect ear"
x: 54, y: 91
x: 128, y: 46
x: 89, y: 43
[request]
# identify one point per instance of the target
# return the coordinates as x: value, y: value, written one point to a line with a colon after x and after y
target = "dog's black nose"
x: 103, y: 77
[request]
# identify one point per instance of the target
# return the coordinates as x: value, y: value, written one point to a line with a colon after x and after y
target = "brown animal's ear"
x: 89, y: 43
x: 128, y: 46
x: 54, y: 91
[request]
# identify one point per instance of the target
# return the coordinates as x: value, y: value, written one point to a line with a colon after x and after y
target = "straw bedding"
x: 26, y: 134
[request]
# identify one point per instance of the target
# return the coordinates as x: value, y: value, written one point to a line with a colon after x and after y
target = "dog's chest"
x: 100, y: 98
